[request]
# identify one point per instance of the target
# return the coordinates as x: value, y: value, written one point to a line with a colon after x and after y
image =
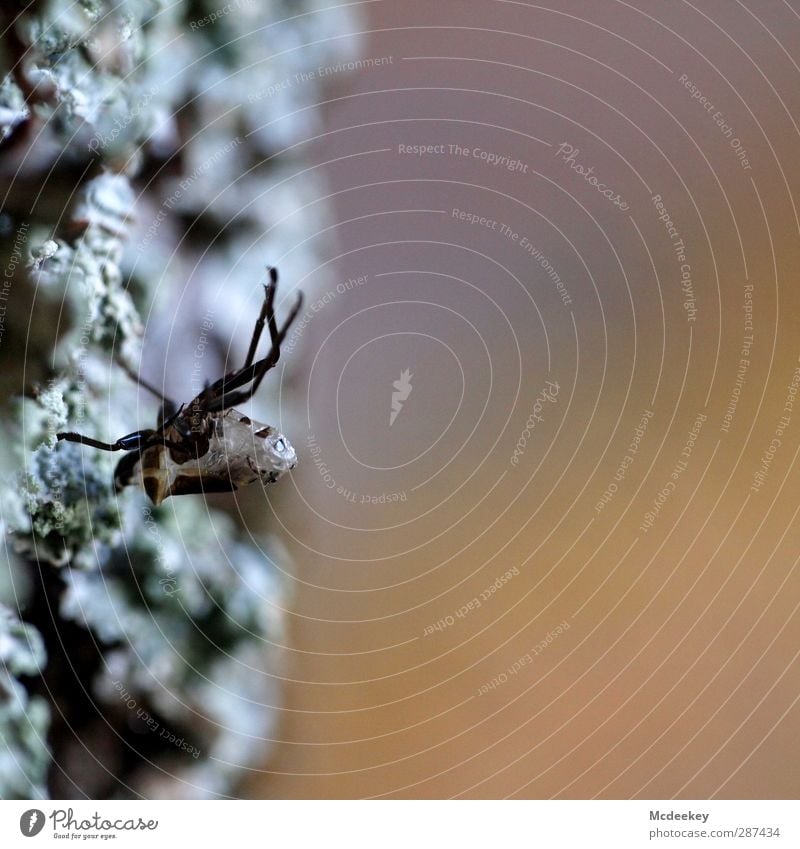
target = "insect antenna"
x: 168, y: 406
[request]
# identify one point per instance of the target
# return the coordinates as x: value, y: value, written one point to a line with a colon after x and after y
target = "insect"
x: 207, y: 445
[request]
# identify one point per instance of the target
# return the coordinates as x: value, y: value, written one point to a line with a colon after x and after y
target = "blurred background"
x: 542, y: 539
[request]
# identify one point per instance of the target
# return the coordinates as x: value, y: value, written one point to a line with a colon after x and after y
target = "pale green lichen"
x: 192, y: 615
x: 63, y: 510
x: 13, y: 109
x: 87, y: 62
x: 72, y: 515
x: 24, y: 756
x: 179, y: 610
x: 87, y: 273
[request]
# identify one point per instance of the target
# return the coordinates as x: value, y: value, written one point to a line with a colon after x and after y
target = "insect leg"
x: 214, y: 399
x: 275, y: 352
x: 140, y: 440
x: 123, y: 474
x: 241, y: 375
x: 256, y: 371
x: 131, y: 442
x: 267, y: 316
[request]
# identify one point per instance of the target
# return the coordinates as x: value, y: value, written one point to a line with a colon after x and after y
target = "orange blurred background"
x: 611, y: 611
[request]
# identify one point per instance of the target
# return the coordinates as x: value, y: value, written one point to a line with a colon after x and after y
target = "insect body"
x: 207, y: 445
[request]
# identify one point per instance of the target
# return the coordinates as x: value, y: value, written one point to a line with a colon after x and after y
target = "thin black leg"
x: 271, y: 360
x: 254, y: 372
x: 140, y: 440
x: 267, y: 316
x: 131, y: 442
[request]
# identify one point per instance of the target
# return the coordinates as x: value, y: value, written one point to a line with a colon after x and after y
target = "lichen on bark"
x: 125, y: 130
